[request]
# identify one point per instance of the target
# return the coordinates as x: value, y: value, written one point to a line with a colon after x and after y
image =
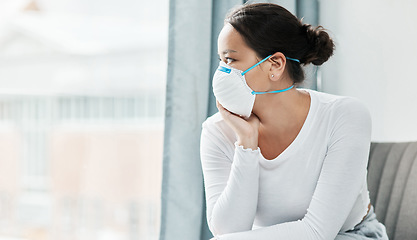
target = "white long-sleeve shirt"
x: 314, y: 189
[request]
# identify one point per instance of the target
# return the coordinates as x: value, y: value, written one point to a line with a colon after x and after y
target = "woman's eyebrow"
x: 228, y: 51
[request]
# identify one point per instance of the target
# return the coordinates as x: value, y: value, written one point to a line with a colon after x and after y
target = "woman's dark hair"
x: 268, y: 28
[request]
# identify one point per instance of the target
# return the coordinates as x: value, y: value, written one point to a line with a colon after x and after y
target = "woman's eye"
x: 229, y: 60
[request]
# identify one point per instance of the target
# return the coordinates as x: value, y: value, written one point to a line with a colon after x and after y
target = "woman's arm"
x: 338, y: 186
x: 231, y: 188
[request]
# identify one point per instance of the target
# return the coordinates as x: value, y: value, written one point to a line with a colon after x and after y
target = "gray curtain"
x: 192, y: 60
x: 309, y: 11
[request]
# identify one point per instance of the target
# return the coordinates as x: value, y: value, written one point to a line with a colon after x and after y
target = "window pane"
x: 82, y: 91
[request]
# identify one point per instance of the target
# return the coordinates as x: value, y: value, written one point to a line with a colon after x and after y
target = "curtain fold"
x: 192, y: 59
x: 187, y: 89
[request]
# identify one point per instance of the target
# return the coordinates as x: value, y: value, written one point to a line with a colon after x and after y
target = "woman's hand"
x: 245, y: 129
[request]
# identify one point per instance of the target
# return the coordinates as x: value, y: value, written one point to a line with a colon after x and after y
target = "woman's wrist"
x: 248, y: 142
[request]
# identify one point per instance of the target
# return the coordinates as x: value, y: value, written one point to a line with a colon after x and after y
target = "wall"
x: 375, y: 61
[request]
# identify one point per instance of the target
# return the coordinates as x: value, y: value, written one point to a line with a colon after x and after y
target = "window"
x: 82, y: 91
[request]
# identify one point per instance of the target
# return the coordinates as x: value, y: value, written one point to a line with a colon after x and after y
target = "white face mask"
x: 232, y: 91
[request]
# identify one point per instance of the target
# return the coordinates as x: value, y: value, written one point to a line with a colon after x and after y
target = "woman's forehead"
x: 230, y: 40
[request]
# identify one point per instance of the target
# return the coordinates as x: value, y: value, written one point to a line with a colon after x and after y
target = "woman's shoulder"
x: 346, y: 106
x: 338, y: 104
x: 340, y: 112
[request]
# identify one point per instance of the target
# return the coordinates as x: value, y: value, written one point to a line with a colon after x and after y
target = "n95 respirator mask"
x: 232, y: 91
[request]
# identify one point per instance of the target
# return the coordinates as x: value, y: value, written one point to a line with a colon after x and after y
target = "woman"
x: 281, y: 162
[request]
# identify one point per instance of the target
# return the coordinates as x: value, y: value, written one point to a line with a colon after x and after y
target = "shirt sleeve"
x: 339, y: 183
x: 231, y: 187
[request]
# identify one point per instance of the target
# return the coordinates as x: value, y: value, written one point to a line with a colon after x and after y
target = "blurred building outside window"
x: 81, y: 118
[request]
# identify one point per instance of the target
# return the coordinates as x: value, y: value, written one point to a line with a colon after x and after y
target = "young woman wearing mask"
x: 281, y: 162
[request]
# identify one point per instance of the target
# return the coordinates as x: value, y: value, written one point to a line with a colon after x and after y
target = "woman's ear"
x: 278, y: 62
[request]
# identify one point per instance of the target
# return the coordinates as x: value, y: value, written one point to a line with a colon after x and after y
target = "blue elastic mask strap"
x: 293, y: 59
x: 263, y: 60
x: 277, y: 91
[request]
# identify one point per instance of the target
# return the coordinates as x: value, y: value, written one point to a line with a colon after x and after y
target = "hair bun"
x: 320, y: 44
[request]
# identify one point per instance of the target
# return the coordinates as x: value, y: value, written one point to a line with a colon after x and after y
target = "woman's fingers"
x: 223, y: 111
x: 253, y: 119
x: 219, y: 106
x: 245, y: 129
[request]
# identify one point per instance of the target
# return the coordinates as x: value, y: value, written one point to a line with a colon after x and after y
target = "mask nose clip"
x: 224, y: 69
